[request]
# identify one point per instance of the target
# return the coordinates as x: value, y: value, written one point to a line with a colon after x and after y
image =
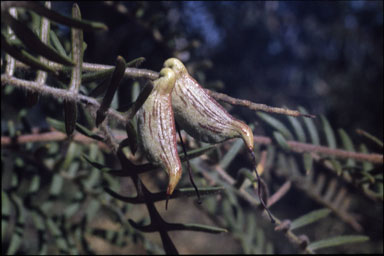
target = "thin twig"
x: 152, y: 75
x: 303, y: 147
x: 294, y: 145
x: 256, y: 106
x: 53, y: 136
x: 58, y: 94
x: 91, y: 67
x: 300, y: 147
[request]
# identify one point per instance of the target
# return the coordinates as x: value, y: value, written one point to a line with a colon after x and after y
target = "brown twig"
x: 91, y: 67
x: 57, y: 93
x: 294, y: 146
x: 52, y: 136
x: 303, y: 147
x: 152, y: 75
x: 300, y: 147
x: 135, y: 73
x: 256, y: 106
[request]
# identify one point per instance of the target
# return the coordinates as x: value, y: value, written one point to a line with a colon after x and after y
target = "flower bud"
x: 156, y: 128
x: 199, y: 114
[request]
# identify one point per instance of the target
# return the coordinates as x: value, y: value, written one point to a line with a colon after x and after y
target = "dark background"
x: 324, y: 55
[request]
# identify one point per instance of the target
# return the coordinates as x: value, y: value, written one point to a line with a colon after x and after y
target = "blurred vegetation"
x: 58, y: 195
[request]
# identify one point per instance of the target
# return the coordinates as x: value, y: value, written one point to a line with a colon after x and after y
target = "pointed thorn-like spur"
x: 166, y: 201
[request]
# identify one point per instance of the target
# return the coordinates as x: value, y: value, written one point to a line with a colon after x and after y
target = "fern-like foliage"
x: 339, y: 156
x: 77, y: 186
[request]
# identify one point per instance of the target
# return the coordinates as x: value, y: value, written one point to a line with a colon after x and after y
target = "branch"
x: 53, y: 136
x: 91, y: 67
x: 152, y: 75
x: 300, y: 147
x: 58, y: 94
x: 256, y: 106
x: 303, y: 147
x: 294, y: 145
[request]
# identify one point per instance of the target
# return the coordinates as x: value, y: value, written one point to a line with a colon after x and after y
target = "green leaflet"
x: 370, y: 137
x: 92, y: 209
x: 298, y: 128
x: 116, y: 238
x: 57, y: 44
x: 33, y: 42
x: 70, y: 210
x: 114, y: 82
x: 247, y: 241
x: 72, y: 153
x: 56, y: 185
x: 35, y: 184
x: 308, y: 162
x: 310, y: 218
x: 39, y: 222
x: 11, y: 128
x: 70, y: 116
x: 23, y: 56
x: 311, y: 127
x: 16, y: 237
x: 367, y: 166
x: 85, y: 131
x: 348, y: 145
x: 231, y: 154
x: 5, y: 212
x: 277, y: 125
x: 55, y: 16
x: 337, y: 166
x: 338, y: 240
x: 97, y: 165
x: 281, y: 140
x: 242, y: 175
x: 55, y: 231
x: 330, y: 135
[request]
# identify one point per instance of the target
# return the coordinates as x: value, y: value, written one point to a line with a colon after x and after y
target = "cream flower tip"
x: 173, y: 180
x: 175, y: 64
x: 166, y: 81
